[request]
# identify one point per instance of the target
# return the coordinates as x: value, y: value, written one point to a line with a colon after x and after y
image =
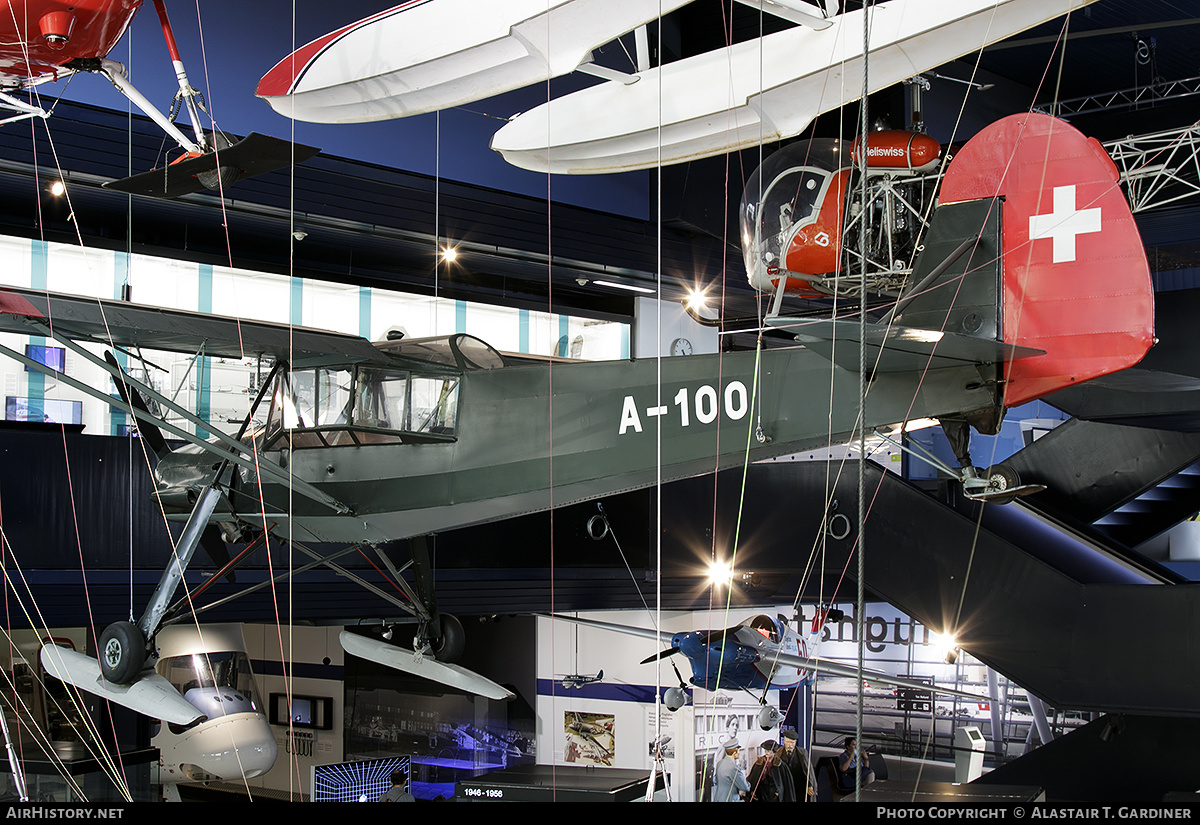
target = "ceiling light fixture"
x: 629, y: 287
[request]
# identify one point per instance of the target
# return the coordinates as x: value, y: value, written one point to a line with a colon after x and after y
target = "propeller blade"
x: 670, y: 651
x: 150, y: 695
x: 425, y: 666
x: 152, y: 434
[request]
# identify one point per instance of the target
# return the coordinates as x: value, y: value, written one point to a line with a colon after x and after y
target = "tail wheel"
x: 450, y: 645
x: 122, y: 653
x: 1001, y: 477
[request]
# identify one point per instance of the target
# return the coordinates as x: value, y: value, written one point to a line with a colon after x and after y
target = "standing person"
x: 770, y: 779
x: 796, y: 760
x: 729, y: 783
x: 847, y: 763
x: 398, y: 793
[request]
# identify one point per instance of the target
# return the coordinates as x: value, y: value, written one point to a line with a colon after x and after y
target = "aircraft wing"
x: 426, y: 666
x: 828, y: 668
x: 895, y: 348
x: 420, y: 57
x: 128, y: 325
x: 757, y: 91
x: 151, y: 695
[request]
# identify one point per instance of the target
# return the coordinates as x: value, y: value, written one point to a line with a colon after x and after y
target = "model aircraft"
x: 228, y: 735
x: 42, y: 41
x: 419, y: 57
x: 578, y: 680
x: 759, y: 653
x: 756, y: 92
x: 356, y: 443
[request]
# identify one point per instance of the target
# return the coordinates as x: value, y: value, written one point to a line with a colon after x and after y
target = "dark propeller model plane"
x: 758, y: 654
x: 42, y: 41
x: 1032, y: 278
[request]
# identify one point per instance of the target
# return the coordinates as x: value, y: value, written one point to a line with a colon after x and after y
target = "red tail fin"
x: 1075, y: 279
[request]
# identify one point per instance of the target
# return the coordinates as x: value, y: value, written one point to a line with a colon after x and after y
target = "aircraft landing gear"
x: 1002, y: 479
x: 122, y: 653
x: 449, y: 646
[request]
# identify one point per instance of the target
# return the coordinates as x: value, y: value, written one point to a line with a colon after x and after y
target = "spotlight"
x: 1113, y: 726
x: 697, y: 299
x: 947, y: 646
x: 449, y: 254
x: 57, y: 188
x: 719, y: 573
x: 388, y: 632
x: 299, y: 234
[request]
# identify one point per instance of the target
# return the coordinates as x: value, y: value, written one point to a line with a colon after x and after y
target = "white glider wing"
x: 757, y: 91
x: 426, y: 55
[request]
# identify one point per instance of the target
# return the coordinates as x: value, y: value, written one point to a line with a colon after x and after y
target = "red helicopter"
x: 42, y: 41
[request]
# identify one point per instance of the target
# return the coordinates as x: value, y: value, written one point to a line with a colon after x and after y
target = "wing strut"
x: 259, y: 464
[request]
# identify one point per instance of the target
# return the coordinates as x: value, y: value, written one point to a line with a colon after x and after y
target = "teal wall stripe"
x: 625, y: 342
x: 364, y: 312
x: 564, y: 335
x: 296, y: 314
x: 117, y: 419
x: 204, y: 303
x: 523, y: 322
x: 460, y: 316
x: 35, y: 381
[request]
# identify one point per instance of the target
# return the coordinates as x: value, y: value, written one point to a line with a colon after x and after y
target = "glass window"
x: 219, y: 684
x: 335, y: 407
x: 434, y: 404
x: 381, y: 399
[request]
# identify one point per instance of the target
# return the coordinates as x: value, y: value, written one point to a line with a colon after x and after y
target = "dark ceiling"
x: 373, y: 225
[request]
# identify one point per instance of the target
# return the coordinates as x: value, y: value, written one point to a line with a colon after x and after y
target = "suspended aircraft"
x: 424, y: 56
x: 43, y: 41
x: 759, y: 653
x: 359, y: 443
x: 578, y: 680
x: 229, y: 736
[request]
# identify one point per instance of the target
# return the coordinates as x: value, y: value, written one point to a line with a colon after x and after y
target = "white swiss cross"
x: 1064, y: 223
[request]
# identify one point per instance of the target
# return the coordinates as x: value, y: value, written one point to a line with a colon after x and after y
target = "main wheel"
x: 450, y: 645
x: 122, y: 652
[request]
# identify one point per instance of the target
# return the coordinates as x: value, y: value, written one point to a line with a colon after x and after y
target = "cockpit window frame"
x: 348, y: 429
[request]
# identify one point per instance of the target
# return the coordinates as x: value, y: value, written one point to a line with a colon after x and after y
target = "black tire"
x: 450, y: 645
x: 122, y: 653
x: 1002, y: 477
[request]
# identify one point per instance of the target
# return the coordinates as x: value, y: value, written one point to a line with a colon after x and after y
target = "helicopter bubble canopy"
x: 791, y: 216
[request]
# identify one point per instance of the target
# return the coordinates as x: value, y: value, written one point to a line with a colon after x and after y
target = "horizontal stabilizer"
x: 893, y: 348
x: 253, y: 155
x: 424, y: 666
x: 151, y: 695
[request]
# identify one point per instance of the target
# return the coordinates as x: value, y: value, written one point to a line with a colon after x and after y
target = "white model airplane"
x: 759, y: 91
x: 424, y: 56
